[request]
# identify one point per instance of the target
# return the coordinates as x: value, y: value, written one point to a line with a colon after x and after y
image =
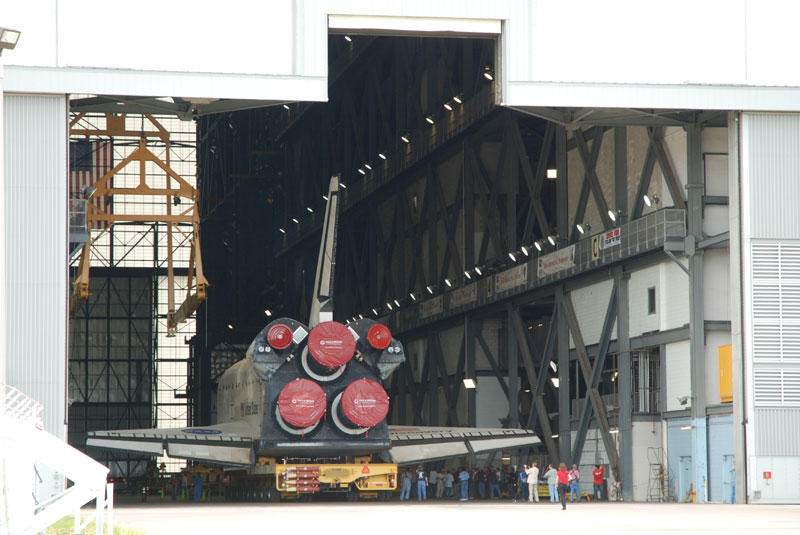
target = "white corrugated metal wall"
x: 36, y: 253
x: 770, y: 149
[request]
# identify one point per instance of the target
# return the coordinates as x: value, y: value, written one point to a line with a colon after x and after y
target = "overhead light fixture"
x: 268, y: 312
x: 552, y: 240
x: 685, y: 427
x: 614, y: 376
x: 467, y: 275
x: 525, y: 251
x: 325, y: 198
x: 230, y: 326
x: 554, y: 366
x: 282, y: 231
x: 552, y: 174
x: 310, y: 210
x: 583, y: 228
x: 360, y: 170
x: 342, y: 185
x: 470, y: 383
x: 8, y: 39
x: 448, y: 283
x: 538, y: 245
x: 348, y: 39
x: 368, y: 166
x: 374, y: 311
x: 555, y: 436
x: 527, y: 390
x: 429, y: 119
x: 650, y: 201
x: 295, y: 220
x: 382, y: 156
x: 397, y: 303
x: 405, y: 138
x: 389, y: 305
x: 487, y: 73
x: 412, y: 296
x: 512, y: 256
x: 286, y: 107
x: 478, y: 270
x: 457, y: 99
x: 448, y: 106
x: 612, y: 215
x: 684, y: 400
x: 555, y: 381
x: 430, y: 289
x: 614, y: 431
x: 361, y: 316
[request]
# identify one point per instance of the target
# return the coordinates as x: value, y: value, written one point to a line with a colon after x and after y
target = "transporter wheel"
x: 273, y: 495
x: 352, y: 494
x: 262, y: 494
x: 306, y: 498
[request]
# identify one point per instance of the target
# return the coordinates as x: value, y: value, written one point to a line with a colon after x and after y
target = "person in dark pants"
x: 597, y: 475
x: 198, y: 488
x: 563, y: 479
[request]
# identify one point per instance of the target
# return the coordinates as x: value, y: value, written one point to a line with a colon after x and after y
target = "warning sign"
x: 767, y: 475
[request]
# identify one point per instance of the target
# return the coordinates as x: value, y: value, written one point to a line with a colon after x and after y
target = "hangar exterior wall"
x: 770, y: 184
x: 35, y: 214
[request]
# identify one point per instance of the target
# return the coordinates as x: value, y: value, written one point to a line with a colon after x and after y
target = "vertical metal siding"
x: 36, y: 242
x: 777, y: 432
x: 773, y: 171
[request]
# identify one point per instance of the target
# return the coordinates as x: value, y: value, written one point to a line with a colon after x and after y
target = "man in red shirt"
x: 598, y: 481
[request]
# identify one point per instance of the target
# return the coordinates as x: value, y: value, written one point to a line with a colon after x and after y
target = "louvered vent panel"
x: 776, y: 323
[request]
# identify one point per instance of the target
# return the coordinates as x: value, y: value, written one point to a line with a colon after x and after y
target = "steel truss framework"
x: 426, y: 204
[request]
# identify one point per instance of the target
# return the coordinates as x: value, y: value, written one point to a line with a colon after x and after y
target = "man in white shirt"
x: 533, y: 482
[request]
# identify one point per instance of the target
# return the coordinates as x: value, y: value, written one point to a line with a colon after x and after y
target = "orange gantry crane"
x: 175, y: 189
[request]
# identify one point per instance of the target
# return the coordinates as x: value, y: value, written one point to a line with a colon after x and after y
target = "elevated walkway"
x: 24, y: 446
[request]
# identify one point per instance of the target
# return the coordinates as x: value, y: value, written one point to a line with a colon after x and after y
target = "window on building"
x: 651, y: 300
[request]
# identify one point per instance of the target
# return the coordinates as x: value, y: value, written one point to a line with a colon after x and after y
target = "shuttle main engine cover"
x: 302, y: 403
x: 365, y: 403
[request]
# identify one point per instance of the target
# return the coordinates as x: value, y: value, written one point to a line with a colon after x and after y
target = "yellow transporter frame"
x: 115, y: 127
x: 368, y: 478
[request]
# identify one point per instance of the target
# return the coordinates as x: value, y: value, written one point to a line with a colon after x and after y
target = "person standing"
x: 198, y: 487
x: 494, y: 483
x: 405, y: 489
x: 563, y: 479
x: 523, y: 483
x: 574, y: 483
x: 463, y: 477
x: 533, y: 482
x: 448, y: 484
x: 597, y: 480
x: 422, y: 485
x: 433, y: 478
x: 551, y: 477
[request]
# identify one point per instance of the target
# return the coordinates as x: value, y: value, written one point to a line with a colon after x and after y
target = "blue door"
x: 684, y: 476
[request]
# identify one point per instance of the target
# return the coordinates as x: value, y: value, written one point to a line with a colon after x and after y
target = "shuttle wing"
x: 229, y: 443
x: 411, y: 444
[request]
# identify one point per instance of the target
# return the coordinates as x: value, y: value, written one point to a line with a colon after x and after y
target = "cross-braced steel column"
x: 694, y: 186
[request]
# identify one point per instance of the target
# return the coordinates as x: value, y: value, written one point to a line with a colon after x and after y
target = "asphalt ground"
x: 454, y: 517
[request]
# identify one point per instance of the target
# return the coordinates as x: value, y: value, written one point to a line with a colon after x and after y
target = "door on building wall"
x: 684, y: 476
x: 727, y: 479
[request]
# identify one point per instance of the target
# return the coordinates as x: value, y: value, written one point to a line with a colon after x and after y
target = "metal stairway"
x: 24, y: 445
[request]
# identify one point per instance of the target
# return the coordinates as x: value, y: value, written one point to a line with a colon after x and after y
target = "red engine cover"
x: 279, y: 336
x: 365, y: 403
x: 331, y: 344
x: 302, y: 403
x: 379, y: 336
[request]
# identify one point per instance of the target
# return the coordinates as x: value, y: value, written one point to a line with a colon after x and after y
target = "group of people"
x: 493, y: 483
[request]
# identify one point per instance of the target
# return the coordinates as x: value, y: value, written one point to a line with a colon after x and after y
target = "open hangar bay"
x: 612, y: 259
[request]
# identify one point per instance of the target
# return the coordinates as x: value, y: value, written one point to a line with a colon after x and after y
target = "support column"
x: 513, y: 368
x: 3, y: 300
x: 564, y: 412
x: 694, y: 186
x: 735, y: 263
x: 469, y: 333
x: 625, y: 383
x: 621, y: 170
x: 562, y: 188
